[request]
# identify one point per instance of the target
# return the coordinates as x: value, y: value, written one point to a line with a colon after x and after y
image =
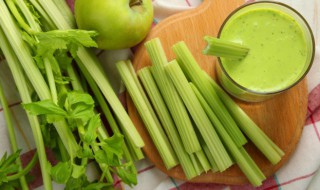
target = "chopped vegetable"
x: 167, y: 121
x: 175, y: 105
x: 223, y: 48
x: 272, y: 152
x: 193, y: 71
x: 148, y: 116
x: 199, y: 116
x: 244, y: 161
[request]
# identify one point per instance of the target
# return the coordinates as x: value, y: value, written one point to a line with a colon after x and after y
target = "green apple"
x: 120, y: 23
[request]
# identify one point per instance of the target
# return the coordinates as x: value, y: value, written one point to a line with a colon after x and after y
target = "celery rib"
x: 246, y: 164
x: 171, y: 97
x: 194, y: 73
x: 151, y: 123
x: 198, y: 115
x: 222, y: 48
x: 166, y: 120
x: 22, y: 87
x: 272, y: 152
x: 25, y: 58
x: 12, y: 137
x: 92, y: 65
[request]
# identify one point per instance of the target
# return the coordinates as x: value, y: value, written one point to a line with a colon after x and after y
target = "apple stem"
x: 135, y: 2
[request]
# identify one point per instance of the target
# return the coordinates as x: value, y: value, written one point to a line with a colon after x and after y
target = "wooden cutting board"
x: 281, y: 118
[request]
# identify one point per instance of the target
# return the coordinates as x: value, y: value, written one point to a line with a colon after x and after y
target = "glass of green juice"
x: 281, y: 51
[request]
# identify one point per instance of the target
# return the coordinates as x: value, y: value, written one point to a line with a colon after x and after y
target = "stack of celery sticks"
x: 190, y: 119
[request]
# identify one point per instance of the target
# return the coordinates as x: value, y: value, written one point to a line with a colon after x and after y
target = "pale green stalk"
x: 152, y: 124
x: 171, y: 97
x: 136, y: 151
x: 66, y: 11
x: 167, y: 121
x: 196, y: 164
x: 244, y: 161
x: 272, y: 152
x: 21, y: 84
x: 193, y: 71
x: 23, y: 53
x: 199, y: 116
x: 223, y: 48
x: 93, y: 66
x: 12, y: 136
x: 203, y: 160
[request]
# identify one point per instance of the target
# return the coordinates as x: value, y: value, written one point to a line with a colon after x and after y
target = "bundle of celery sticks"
x: 191, y: 120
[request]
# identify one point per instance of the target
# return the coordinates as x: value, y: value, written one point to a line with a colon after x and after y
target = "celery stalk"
x: 11, y: 133
x: 22, y: 87
x: 151, y: 123
x: 93, y: 66
x: 198, y: 115
x: 171, y: 97
x: 203, y: 160
x: 272, y: 152
x: 166, y: 120
x: 136, y: 152
x: 244, y: 161
x: 222, y: 48
x: 194, y: 73
x: 196, y: 164
x: 23, y: 53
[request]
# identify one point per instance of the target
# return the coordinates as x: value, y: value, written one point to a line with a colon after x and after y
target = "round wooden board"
x: 281, y: 118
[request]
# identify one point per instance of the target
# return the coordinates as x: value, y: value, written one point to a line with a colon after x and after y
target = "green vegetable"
x: 193, y: 72
x: 244, y: 161
x: 12, y: 136
x: 175, y: 105
x: 22, y: 87
x: 148, y: 116
x: 199, y: 116
x: 88, y: 61
x: 167, y: 121
x: 222, y: 48
x: 272, y: 152
x: 59, y: 100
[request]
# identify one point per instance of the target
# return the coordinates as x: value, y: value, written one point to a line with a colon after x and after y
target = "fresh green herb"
x: 223, y: 48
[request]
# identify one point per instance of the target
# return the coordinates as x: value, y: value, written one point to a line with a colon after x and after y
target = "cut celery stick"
x: 173, y: 101
x: 198, y: 115
x: 214, y: 167
x: 196, y: 164
x: 272, y: 152
x: 167, y: 121
x: 203, y: 160
x: 156, y: 132
x: 246, y: 164
x: 194, y: 72
x: 223, y: 48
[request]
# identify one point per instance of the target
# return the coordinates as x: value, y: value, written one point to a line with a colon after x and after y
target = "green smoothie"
x: 278, y: 50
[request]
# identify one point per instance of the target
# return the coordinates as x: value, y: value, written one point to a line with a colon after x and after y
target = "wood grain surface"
x: 281, y: 118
